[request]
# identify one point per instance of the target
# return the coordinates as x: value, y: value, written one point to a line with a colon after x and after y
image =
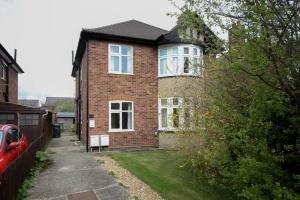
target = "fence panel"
x: 14, y: 175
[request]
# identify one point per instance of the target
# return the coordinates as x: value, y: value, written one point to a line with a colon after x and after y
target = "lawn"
x: 161, y: 171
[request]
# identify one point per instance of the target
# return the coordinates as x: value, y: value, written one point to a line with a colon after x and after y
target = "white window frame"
x: 120, y: 59
x: 180, y: 60
x: 120, y: 112
x: 170, y: 113
x: 170, y: 106
x: 163, y: 57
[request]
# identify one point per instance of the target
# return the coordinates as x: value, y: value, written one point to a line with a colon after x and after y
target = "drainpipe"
x: 87, y: 98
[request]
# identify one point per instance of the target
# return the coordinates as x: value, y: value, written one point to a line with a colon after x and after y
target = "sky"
x: 46, y: 31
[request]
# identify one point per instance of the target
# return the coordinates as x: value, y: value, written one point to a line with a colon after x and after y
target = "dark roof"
x: 35, y: 103
x: 52, y: 101
x: 173, y: 37
x: 65, y: 114
x: 9, y: 60
x: 131, y: 29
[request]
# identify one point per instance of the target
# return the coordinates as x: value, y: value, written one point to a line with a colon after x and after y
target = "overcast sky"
x: 46, y: 31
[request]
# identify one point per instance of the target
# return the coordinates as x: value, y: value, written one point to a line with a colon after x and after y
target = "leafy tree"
x: 252, y: 144
x: 64, y: 106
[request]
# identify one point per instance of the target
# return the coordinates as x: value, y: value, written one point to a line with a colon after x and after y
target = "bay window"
x: 175, y: 113
x: 120, y: 116
x: 120, y: 59
x: 180, y: 60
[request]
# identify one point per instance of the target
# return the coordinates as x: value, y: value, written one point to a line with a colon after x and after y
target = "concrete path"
x: 74, y: 175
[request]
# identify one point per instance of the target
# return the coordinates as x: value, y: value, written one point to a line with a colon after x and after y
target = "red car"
x: 12, y: 144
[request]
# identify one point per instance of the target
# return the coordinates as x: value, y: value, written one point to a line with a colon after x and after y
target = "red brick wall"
x: 13, y: 86
x: 2, y: 90
x: 83, y: 68
x: 141, y: 88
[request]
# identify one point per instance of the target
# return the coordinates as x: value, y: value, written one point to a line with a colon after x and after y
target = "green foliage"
x: 73, y: 127
x: 160, y: 170
x: 100, y: 162
x: 64, y: 106
x: 42, y: 161
x: 252, y: 144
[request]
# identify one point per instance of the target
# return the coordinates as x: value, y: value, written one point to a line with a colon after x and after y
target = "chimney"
x: 15, y: 55
x: 72, y: 57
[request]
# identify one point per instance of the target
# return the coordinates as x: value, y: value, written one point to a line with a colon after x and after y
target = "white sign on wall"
x: 92, y: 123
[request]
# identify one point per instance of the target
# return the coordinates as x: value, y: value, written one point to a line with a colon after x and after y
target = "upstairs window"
x: 180, y: 60
x: 163, y: 61
x: 175, y: 60
x: 120, y: 59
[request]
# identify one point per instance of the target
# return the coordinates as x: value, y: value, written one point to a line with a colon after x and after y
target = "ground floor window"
x: 175, y: 113
x: 120, y: 115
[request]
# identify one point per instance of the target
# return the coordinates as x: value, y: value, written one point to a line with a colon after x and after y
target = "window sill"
x: 119, y: 73
x: 119, y: 131
x: 180, y: 75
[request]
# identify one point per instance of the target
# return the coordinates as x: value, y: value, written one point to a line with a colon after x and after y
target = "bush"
x: 42, y: 161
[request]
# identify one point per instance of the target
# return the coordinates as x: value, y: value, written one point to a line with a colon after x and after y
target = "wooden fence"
x: 38, y: 136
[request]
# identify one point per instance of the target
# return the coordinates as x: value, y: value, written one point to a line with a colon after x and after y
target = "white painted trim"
x: 120, y: 111
x: 120, y: 73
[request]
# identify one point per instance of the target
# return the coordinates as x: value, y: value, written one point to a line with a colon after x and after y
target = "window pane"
x: 115, y: 106
x: 175, y: 101
x: 126, y: 106
x: 114, y: 63
x: 115, y: 120
x: 126, y: 64
x: 126, y: 120
x: 186, y: 65
x: 195, y: 51
x: 175, y: 65
x: 114, y: 49
x: 163, y: 66
x: 175, y: 117
x: 126, y: 50
x: 164, y: 117
x: 186, y: 50
x: 35, y: 116
x: 195, y: 65
x: 35, y: 122
x: 163, y: 52
x: 164, y: 101
x: 175, y: 51
x: 187, y: 118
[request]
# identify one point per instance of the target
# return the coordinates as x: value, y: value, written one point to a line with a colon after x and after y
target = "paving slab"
x: 73, y: 172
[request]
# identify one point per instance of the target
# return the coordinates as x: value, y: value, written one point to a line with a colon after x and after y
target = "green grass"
x: 161, y: 171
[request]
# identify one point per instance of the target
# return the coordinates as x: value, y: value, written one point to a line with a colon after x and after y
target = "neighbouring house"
x: 65, y: 119
x: 52, y: 103
x: 129, y: 82
x: 9, y: 70
x: 35, y: 103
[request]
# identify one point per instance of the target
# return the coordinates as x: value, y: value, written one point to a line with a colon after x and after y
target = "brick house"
x: 120, y: 73
x: 9, y: 70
